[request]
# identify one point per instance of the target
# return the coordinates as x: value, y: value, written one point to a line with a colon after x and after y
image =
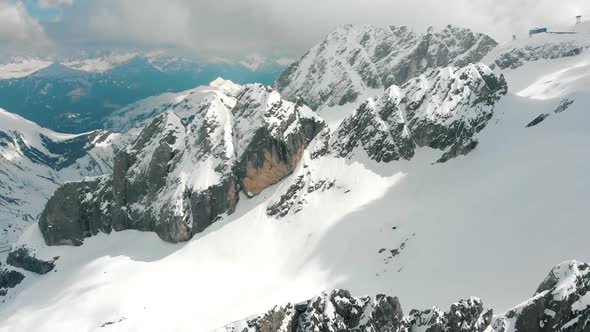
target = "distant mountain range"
x: 75, y: 95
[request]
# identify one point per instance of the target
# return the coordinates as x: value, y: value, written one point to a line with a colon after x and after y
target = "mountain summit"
x: 354, y: 59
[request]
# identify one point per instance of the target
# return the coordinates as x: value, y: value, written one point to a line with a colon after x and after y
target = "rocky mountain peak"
x: 354, y: 59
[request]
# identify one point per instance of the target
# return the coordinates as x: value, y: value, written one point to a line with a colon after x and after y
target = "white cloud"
x: 54, y: 3
x: 254, y: 61
x: 284, y: 61
x: 18, y: 30
x: 234, y: 29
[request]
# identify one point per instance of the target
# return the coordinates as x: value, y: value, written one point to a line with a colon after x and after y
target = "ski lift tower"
x: 578, y: 19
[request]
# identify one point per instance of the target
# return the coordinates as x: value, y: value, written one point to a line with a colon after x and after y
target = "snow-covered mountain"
x: 452, y: 184
x: 184, y: 104
x: 184, y: 172
x: 102, y: 60
x: 355, y: 59
x: 21, y: 67
x: 34, y: 161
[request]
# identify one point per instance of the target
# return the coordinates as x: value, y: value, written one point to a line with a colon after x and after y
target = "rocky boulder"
x: 23, y: 258
x: 9, y: 279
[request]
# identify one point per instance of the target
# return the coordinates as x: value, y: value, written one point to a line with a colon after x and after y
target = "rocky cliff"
x: 181, y: 174
x: 354, y: 59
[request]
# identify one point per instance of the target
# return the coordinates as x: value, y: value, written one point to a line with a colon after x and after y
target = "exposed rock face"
x: 561, y: 303
x: 442, y: 109
x: 9, y: 279
x: 272, y: 135
x: 353, y: 59
x: 537, y: 120
x: 77, y: 210
x: 182, y: 174
x: 339, y: 311
x: 465, y: 315
x: 21, y: 257
x: 564, y: 104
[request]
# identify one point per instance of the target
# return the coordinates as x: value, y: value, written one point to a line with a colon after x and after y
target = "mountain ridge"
x: 352, y: 59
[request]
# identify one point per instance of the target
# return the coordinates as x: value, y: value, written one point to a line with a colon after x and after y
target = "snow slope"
x: 34, y: 161
x: 545, y: 66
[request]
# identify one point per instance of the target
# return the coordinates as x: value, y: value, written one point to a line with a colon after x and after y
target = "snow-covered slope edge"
x: 561, y: 303
x: 545, y: 66
x: 34, y: 161
x: 516, y: 53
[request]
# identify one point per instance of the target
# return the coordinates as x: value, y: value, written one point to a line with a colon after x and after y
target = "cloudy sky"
x: 241, y: 28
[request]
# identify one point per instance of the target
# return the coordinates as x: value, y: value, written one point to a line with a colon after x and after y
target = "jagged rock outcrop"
x: 465, y: 315
x: 339, y: 311
x: 564, y: 104
x: 23, y: 258
x: 355, y: 59
x: 182, y: 173
x: 537, y: 120
x: 561, y: 303
x: 442, y: 109
x: 9, y: 279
